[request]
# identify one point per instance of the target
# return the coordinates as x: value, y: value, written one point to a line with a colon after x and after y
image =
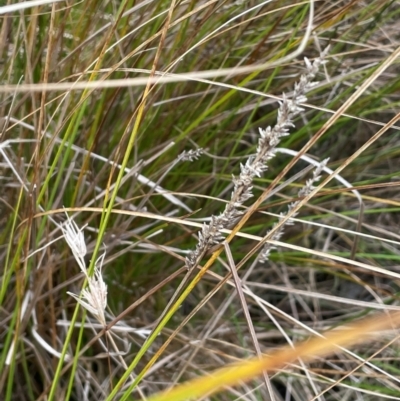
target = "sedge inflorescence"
x: 255, y: 166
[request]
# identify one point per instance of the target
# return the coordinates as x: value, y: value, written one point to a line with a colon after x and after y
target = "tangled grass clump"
x: 135, y: 115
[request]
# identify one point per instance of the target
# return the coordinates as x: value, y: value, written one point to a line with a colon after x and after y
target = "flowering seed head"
x: 74, y: 237
x: 256, y: 165
x: 94, y: 296
x: 190, y: 155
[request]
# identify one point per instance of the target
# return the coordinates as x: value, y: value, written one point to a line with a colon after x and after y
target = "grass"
x: 99, y: 100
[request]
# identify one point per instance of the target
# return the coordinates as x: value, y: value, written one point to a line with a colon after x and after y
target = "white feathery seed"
x: 94, y: 297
